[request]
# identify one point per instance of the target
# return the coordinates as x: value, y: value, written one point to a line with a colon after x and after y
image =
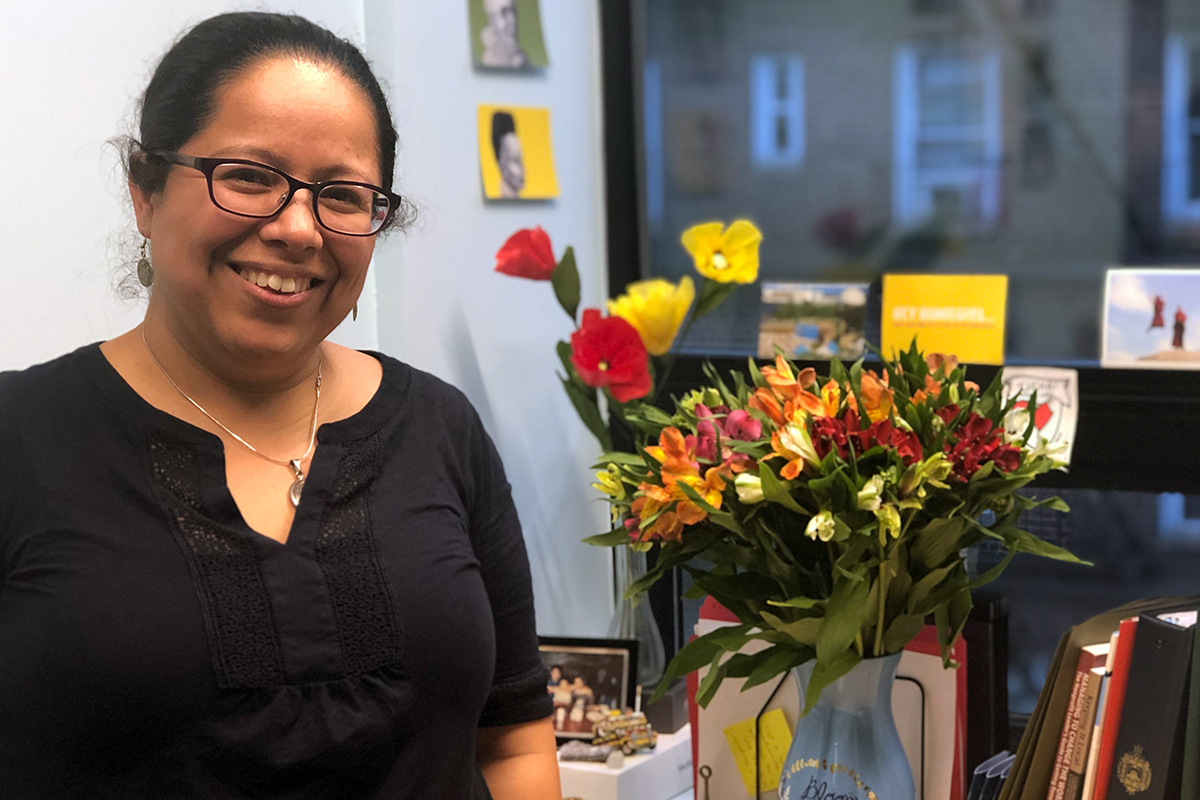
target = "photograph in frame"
x: 507, y: 35
x: 813, y: 320
x: 588, y: 679
x: 1150, y: 319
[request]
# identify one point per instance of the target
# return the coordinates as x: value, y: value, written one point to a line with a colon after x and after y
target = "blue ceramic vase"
x: 847, y: 747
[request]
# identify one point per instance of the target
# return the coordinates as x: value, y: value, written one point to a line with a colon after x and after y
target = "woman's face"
x: 314, y: 124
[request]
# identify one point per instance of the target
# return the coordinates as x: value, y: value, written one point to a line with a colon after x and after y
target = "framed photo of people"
x: 588, y: 679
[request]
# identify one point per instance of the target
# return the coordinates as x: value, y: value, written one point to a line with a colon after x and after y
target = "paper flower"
x: 655, y: 309
x: 527, y: 254
x: 608, y: 353
x: 724, y: 255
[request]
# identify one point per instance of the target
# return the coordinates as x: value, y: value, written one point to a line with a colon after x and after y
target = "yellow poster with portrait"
x: 960, y: 315
x: 516, y: 158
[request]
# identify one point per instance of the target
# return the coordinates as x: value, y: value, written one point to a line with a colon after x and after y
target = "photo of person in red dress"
x: 1158, y: 321
x: 1180, y: 322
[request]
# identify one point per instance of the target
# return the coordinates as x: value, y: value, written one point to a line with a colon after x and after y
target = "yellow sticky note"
x: 774, y: 739
x: 960, y: 315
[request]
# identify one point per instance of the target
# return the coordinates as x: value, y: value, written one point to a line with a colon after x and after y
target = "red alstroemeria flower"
x: 979, y: 441
x: 608, y: 353
x: 527, y: 254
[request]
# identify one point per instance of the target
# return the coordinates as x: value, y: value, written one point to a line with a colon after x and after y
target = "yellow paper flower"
x: 724, y: 255
x: 655, y: 309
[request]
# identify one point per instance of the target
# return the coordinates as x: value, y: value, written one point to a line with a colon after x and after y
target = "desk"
x: 664, y: 773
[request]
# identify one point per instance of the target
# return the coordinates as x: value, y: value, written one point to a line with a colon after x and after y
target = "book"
x: 1029, y: 777
x: 1070, y: 762
x: 1105, y: 673
x: 1149, y: 745
x: 1190, y: 780
x: 1113, y: 706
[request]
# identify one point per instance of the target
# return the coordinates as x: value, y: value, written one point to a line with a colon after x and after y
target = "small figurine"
x: 626, y: 730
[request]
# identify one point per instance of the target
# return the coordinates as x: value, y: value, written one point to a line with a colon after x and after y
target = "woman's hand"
x: 519, y: 761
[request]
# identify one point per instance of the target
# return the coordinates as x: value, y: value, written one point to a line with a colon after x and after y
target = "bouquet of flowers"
x: 830, y: 514
x: 627, y: 355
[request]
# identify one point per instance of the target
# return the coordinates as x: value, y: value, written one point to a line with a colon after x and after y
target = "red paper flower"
x: 608, y: 352
x: 527, y: 254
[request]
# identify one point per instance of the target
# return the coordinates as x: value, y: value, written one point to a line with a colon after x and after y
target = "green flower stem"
x: 883, y: 590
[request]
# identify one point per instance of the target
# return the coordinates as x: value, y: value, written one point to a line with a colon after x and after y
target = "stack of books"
x: 1119, y: 717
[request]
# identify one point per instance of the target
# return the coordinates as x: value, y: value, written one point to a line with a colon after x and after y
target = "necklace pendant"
x: 297, y: 485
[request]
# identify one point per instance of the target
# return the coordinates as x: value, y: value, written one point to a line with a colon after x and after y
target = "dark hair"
x: 179, y: 100
x: 502, y: 125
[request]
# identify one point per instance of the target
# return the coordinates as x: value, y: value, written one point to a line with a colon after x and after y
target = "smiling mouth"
x: 278, y: 283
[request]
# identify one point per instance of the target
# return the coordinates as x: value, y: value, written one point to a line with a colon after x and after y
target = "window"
x: 1181, y: 130
x: 777, y: 111
x: 947, y: 137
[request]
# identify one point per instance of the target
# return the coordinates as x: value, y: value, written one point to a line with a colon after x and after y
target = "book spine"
x: 1112, y: 707
x: 1066, y: 739
x: 1083, y: 741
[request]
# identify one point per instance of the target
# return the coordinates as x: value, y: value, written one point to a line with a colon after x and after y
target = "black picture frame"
x: 602, y: 670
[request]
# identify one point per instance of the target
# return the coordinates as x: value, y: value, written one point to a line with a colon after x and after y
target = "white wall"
x: 71, y: 73
x: 443, y: 309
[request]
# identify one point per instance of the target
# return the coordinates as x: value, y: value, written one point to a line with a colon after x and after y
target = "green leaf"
x: 776, y: 492
x: 796, y: 602
x: 1026, y: 542
x: 845, y: 614
x: 619, y: 457
x: 780, y: 660
x: 937, y: 541
x: 715, y: 515
x: 610, y: 539
x: 711, y: 681
x: 565, y: 280
x: 901, y: 632
x: 925, y: 586
x: 804, y: 631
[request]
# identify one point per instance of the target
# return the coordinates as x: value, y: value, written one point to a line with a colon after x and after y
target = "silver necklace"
x: 294, y: 464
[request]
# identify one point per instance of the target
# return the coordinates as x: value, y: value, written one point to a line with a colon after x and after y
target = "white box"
x: 659, y: 774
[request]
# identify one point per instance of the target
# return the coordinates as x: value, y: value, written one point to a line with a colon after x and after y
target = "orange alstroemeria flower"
x: 793, y: 444
x: 655, y: 499
x: 709, y: 488
x: 784, y: 383
x: 876, y: 396
x: 935, y: 360
x: 674, y: 454
x: 764, y: 400
x: 668, y: 527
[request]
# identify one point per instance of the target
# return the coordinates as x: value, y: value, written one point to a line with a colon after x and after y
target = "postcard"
x: 1057, y: 414
x: 813, y: 320
x: 516, y: 159
x: 507, y: 34
x: 1150, y: 317
x: 960, y: 315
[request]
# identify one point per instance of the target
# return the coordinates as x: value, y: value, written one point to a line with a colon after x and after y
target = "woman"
x: 509, y: 159
x: 238, y: 560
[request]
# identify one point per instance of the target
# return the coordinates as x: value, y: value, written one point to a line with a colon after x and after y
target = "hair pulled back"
x: 502, y: 125
x: 181, y: 96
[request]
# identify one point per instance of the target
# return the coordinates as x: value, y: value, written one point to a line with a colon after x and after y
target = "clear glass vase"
x: 638, y: 623
x: 848, y: 746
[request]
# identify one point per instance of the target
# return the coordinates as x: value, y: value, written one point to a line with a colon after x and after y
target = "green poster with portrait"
x: 507, y: 34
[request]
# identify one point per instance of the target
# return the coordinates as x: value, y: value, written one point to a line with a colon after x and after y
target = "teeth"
x: 277, y: 282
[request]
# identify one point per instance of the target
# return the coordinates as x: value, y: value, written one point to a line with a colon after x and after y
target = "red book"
x: 1113, y: 705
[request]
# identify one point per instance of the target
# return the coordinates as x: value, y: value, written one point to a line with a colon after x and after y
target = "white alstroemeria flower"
x: 870, y: 496
x: 749, y: 488
x: 821, y: 527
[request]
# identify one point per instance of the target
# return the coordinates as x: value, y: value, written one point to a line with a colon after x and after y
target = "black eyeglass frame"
x: 208, y: 165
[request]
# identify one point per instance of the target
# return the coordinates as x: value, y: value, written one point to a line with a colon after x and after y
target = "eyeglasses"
x: 251, y: 189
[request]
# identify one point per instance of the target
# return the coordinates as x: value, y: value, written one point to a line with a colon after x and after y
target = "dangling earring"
x: 145, y: 272
x: 354, y: 313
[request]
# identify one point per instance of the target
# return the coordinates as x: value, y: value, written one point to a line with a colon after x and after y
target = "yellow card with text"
x: 961, y: 315
x: 774, y: 738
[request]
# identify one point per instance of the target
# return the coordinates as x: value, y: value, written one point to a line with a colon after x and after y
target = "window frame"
x: 1177, y: 206
x: 766, y: 108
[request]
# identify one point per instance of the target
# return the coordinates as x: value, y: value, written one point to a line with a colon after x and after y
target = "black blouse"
x: 153, y: 645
